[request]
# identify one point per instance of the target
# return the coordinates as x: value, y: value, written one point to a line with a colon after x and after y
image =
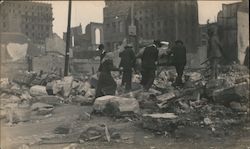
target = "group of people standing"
x: 149, y: 61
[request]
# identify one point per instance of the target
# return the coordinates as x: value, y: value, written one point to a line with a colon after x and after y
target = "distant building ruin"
x: 90, y: 40
x: 163, y: 20
x: 84, y: 47
x: 34, y: 19
x: 233, y: 23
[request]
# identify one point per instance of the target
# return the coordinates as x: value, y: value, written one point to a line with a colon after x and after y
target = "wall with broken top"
x: 13, y: 58
x: 243, y: 34
x: 49, y: 63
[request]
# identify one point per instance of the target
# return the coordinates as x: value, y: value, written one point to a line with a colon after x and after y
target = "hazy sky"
x: 92, y: 11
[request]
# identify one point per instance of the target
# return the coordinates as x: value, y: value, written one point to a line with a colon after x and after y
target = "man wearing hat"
x: 179, y: 60
x: 149, y: 59
x: 127, y: 64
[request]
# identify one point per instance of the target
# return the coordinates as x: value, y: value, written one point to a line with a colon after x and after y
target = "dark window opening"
x: 159, y: 32
x: 159, y: 23
x: 152, y: 24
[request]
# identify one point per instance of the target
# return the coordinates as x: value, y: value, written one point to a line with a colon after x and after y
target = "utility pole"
x: 176, y: 20
x: 66, y: 66
x: 1, y: 2
x: 132, y: 28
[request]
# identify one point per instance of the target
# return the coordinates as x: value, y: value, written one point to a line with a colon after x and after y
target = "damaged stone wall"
x: 13, y: 59
x: 56, y: 44
x: 85, y: 65
x: 195, y: 59
x: 9, y: 69
x: 243, y: 34
x: 52, y: 62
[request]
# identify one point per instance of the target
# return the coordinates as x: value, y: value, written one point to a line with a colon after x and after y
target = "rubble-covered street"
x: 111, y: 74
x: 203, y: 114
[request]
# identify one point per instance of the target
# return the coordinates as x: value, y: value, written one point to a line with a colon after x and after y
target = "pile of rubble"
x: 214, y: 105
x: 29, y: 93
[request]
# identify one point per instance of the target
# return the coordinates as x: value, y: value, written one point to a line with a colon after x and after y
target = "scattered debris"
x: 48, y: 99
x: 63, y: 129
x: 207, y: 121
x: 73, y: 146
x: 42, y: 108
x: 107, y: 133
x: 99, y: 132
x: 209, y: 106
x: 160, y: 121
x: 16, y: 113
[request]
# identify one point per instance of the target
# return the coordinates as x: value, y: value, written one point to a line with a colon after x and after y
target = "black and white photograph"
x: 124, y: 74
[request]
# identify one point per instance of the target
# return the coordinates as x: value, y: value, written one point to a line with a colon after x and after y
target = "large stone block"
x: 67, y: 85
x: 160, y: 121
x: 53, y: 100
x: 235, y: 93
x: 38, y: 90
x: 120, y: 103
x: 42, y: 108
x: 215, y: 84
x: 83, y: 100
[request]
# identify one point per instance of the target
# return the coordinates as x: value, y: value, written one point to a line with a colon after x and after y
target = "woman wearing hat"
x: 106, y: 85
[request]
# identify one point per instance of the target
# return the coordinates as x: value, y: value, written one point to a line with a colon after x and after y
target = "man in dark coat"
x: 149, y: 59
x: 179, y: 60
x: 127, y: 64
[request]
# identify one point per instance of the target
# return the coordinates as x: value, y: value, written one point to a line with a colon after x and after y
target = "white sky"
x: 92, y: 11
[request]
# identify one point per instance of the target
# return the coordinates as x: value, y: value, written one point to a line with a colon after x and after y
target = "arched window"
x: 97, y: 36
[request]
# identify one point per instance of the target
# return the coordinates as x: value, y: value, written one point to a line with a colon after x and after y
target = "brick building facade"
x: 164, y: 20
x: 34, y: 19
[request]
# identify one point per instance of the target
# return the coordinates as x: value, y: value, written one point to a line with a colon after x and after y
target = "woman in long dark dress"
x: 106, y: 85
x: 246, y: 61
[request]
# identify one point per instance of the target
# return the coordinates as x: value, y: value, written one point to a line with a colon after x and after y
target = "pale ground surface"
x: 137, y: 138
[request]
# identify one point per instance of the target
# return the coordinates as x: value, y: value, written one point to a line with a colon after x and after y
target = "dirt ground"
x: 41, y: 128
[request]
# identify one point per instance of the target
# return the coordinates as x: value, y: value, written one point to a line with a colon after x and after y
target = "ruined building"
x: 84, y: 47
x: 233, y: 24
x: 89, y: 40
x: 32, y: 19
x: 164, y: 20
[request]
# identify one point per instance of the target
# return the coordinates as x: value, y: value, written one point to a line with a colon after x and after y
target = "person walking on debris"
x: 149, y: 57
x: 179, y: 60
x: 246, y: 60
x: 214, y: 52
x: 106, y: 85
x: 127, y: 64
x: 102, y: 53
